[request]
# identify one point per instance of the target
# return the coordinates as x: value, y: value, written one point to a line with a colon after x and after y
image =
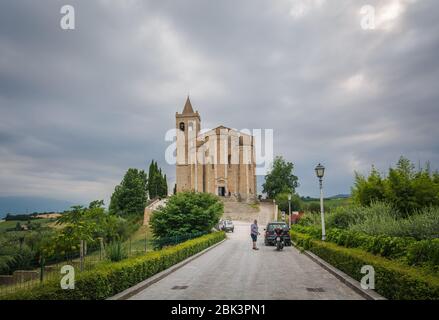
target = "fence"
x: 86, y: 258
x: 163, y: 242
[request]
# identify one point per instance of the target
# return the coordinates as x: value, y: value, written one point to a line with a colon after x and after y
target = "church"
x: 219, y: 161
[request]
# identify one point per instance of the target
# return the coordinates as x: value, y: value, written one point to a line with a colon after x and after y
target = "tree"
x: 157, y: 182
x: 185, y: 213
x: 87, y: 224
x: 283, y: 203
x: 164, y: 186
x: 130, y: 197
x: 367, y: 191
x: 404, y: 188
x: 152, y: 182
x: 280, y: 179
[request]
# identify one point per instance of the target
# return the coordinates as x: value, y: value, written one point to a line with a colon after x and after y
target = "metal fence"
x: 169, y: 241
x: 86, y: 258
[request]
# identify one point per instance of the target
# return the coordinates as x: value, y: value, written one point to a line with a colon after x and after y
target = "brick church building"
x: 219, y: 161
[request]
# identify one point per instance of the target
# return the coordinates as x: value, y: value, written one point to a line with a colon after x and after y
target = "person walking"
x: 254, y: 234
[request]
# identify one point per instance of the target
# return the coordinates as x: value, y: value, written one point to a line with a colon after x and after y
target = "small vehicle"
x: 280, y: 243
x: 228, y: 226
x: 270, y: 237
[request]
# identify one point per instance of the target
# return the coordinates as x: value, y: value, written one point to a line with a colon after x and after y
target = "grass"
x: 5, y: 225
x: 136, y: 243
x: 10, y: 224
x: 255, y: 206
x: 331, y: 203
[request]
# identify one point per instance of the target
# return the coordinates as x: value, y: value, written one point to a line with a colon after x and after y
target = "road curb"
x: 344, y: 278
x: 128, y: 293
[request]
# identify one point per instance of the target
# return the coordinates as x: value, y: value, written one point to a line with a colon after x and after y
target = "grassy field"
x: 5, y: 225
x: 330, y: 203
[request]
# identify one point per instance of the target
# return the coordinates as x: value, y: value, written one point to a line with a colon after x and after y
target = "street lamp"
x: 320, y: 172
x: 289, y: 211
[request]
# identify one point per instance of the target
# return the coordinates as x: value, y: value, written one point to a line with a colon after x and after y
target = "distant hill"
x: 340, y: 196
x: 337, y: 196
x: 24, y: 205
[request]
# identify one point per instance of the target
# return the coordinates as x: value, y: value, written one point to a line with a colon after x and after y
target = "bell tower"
x: 188, y: 127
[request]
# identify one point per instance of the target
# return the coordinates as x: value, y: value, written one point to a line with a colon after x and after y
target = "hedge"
x: 393, y: 279
x: 109, y: 279
x: 413, y: 252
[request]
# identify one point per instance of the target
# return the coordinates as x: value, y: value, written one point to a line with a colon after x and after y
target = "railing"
x: 169, y: 241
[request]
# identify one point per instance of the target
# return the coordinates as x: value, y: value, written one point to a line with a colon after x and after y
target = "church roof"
x: 188, y: 107
x: 224, y: 127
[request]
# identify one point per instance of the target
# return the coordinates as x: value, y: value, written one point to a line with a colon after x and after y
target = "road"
x: 233, y: 270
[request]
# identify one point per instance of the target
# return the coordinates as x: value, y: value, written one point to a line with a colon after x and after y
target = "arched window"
x: 182, y: 126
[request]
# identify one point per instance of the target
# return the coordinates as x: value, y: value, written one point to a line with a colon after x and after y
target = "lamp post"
x: 289, y: 211
x: 320, y: 172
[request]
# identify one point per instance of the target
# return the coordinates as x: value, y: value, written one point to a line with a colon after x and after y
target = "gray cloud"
x: 80, y: 107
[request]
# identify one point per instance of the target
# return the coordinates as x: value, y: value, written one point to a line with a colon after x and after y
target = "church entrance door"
x: 222, y: 191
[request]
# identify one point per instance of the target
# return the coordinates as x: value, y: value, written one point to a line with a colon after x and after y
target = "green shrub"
x: 346, y: 217
x: 112, y: 278
x: 393, y: 280
x: 424, y: 252
x: 187, y: 212
x: 310, y: 219
x: 116, y: 251
x: 423, y: 224
x: 404, y: 187
x: 408, y: 249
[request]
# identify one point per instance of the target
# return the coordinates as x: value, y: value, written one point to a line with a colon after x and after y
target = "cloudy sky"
x: 79, y: 107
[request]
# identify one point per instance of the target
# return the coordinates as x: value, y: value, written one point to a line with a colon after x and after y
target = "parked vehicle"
x: 270, y: 236
x: 228, y: 226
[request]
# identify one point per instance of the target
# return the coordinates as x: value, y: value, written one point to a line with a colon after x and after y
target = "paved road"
x: 233, y: 270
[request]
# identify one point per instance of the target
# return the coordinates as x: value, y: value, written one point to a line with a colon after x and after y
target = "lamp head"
x: 320, y: 171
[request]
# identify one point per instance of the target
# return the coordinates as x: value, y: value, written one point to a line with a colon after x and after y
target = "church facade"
x: 219, y: 161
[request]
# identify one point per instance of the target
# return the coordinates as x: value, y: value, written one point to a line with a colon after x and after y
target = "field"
x: 330, y: 204
x: 5, y: 225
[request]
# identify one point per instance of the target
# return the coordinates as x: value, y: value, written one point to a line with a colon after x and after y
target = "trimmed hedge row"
x: 408, y: 249
x: 393, y: 280
x: 109, y: 279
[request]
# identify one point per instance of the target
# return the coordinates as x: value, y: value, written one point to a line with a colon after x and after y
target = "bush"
x: 393, y: 280
x: 383, y: 219
x: 112, y: 278
x: 406, y: 189
x: 314, y: 207
x: 407, y: 249
x: 187, y: 212
x: 14, y: 256
x: 116, y: 251
x: 425, y: 252
x: 421, y: 225
x: 310, y: 219
x: 345, y: 217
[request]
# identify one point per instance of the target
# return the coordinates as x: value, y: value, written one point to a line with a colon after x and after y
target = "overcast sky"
x: 79, y: 107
